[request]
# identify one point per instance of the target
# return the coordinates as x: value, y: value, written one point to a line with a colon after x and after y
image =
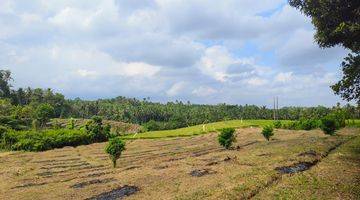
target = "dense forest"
x: 26, y: 104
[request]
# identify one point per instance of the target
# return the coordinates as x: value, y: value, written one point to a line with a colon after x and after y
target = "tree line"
x: 40, y: 104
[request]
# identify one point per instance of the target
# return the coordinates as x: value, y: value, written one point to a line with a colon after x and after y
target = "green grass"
x: 200, y: 129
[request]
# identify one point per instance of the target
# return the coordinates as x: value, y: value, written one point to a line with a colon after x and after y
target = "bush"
x: 95, y: 129
x: 43, y: 140
x: 267, y: 132
x: 277, y: 124
x: 114, y: 149
x: 227, y: 137
x: 328, y: 125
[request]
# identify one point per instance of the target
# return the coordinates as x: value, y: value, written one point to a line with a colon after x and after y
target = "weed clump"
x: 226, y: 137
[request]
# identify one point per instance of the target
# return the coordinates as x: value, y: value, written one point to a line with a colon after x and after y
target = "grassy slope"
x: 199, y: 129
x: 335, y: 177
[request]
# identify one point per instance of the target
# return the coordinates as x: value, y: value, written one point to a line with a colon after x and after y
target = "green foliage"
x: 349, y: 87
x: 328, y: 125
x: 43, y: 140
x: 267, y: 132
x: 71, y: 124
x: 95, y: 129
x: 277, y: 124
x: 114, y: 149
x: 44, y: 112
x: 337, y: 23
x: 5, y: 78
x: 226, y: 137
x: 35, y: 124
x: 302, y: 124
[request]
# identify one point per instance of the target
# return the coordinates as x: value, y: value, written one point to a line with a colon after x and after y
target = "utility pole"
x: 274, y: 110
x: 277, y: 108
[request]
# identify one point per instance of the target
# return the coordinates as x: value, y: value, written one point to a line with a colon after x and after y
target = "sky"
x: 202, y: 51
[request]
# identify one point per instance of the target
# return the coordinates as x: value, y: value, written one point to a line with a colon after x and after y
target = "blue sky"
x: 237, y: 52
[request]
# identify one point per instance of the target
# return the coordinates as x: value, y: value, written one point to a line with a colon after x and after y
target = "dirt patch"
x: 161, y: 167
x: 91, y: 182
x: 28, y: 185
x: 201, y: 172
x: 309, y: 153
x: 298, y: 167
x: 118, y: 193
x: 133, y: 167
x: 264, y: 154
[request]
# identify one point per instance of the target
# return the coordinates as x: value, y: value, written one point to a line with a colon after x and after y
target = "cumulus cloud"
x: 232, y: 51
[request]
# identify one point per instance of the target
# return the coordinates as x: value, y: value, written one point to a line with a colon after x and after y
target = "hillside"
x: 192, y: 168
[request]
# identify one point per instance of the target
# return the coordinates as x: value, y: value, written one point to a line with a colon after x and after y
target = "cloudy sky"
x: 232, y: 51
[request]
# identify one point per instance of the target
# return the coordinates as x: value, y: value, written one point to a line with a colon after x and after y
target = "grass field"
x: 192, y: 168
x: 201, y: 129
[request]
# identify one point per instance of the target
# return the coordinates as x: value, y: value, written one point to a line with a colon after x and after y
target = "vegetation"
x: 337, y: 23
x: 34, y: 140
x: 114, y: 149
x: 277, y: 124
x: 267, y: 132
x: 328, y: 125
x: 226, y: 137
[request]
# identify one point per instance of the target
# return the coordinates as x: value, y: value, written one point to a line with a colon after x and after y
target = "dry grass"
x: 161, y: 168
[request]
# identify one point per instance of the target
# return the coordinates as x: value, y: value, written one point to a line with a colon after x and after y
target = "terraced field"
x: 193, y: 168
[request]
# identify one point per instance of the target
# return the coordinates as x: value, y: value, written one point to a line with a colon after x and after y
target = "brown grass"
x: 162, y: 168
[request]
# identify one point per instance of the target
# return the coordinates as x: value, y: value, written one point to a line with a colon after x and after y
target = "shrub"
x: 43, y: 140
x: 43, y: 113
x: 114, y: 149
x: 308, y: 124
x: 95, y: 128
x: 328, y: 125
x: 267, y: 132
x: 277, y: 124
x: 71, y: 123
x: 227, y: 137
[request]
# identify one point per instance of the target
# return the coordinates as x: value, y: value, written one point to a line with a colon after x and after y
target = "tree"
x: 226, y: 137
x: 328, y: 125
x: 5, y: 78
x: 267, y: 132
x: 337, y: 23
x: 43, y: 113
x: 114, y: 149
x: 95, y: 128
x: 349, y: 87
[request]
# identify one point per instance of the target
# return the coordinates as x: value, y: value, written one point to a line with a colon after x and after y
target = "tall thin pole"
x: 277, y: 107
x: 274, y: 109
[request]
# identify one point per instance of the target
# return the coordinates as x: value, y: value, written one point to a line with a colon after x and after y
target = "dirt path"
x: 175, y: 168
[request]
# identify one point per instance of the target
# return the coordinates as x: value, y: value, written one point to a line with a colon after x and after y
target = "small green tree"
x: 71, y: 124
x: 226, y: 137
x: 95, y: 128
x: 328, y: 125
x: 43, y: 113
x: 267, y: 132
x: 114, y: 149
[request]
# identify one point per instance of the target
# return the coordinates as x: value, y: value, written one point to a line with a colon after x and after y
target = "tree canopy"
x: 337, y: 22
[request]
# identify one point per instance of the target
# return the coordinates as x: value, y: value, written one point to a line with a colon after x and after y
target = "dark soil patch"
x: 28, y: 185
x: 201, y: 172
x: 212, y: 163
x: 118, y: 193
x: 309, y: 153
x: 298, y: 167
x: 91, y: 182
x: 133, y: 167
x: 161, y: 167
x: 45, y: 174
x: 66, y: 166
x: 238, y: 147
x: 264, y: 154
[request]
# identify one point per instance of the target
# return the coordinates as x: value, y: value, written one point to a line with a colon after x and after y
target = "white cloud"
x: 284, y: 77
x: 204, y: 91
x: 175, y: 89
x: 167, y: 49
